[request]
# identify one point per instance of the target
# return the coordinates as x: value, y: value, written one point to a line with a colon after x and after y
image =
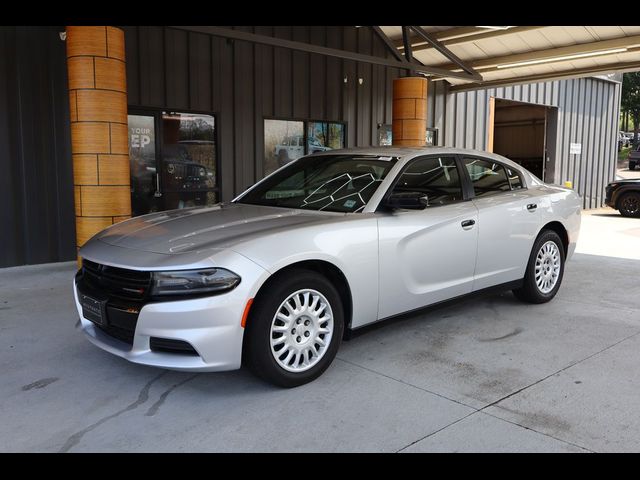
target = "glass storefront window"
x: 188, y: 160
x: 173, y: 160
x: 283, y: 142
x: 323, y: 136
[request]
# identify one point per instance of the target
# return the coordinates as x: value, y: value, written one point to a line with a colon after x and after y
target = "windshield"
x: 335, y: 183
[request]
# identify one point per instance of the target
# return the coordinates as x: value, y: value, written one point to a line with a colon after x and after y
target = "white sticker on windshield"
x: 349, y: 203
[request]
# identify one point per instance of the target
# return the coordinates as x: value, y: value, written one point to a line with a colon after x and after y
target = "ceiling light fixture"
x: 496, y: 27
x: 562, y: 58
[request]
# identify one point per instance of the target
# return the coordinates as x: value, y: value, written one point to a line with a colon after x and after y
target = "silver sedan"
x: 327, y: 244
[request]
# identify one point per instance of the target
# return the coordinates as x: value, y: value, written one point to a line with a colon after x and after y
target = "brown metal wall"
x: 242, y: 83
x: 36, y: 180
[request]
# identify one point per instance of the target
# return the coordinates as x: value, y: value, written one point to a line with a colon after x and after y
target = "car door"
x: 428, y: 255
x: 507, y: 221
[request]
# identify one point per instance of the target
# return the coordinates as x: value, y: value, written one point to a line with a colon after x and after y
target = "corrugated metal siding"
x: 36, y: 181
x: 242, y: 83
x: 588, y: 111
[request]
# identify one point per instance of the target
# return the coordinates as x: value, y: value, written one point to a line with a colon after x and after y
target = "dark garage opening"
x: 522, y: 132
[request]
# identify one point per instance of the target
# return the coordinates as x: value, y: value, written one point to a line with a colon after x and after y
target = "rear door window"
x: 488, y: 178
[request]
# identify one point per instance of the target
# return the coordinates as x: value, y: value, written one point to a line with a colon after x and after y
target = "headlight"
x: 185, y: 282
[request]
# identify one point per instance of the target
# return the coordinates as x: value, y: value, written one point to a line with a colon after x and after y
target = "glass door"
x: 188, y: 174
x: 145, y: 183
x: 173, y: 159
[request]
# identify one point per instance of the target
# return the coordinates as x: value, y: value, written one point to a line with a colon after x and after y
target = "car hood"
x: 196, y: 229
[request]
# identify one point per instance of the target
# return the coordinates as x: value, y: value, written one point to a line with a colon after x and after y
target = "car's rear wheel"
x: 294, y: 329
x: 544, y: 270
x: 632, y: 165
x: 629, y: 204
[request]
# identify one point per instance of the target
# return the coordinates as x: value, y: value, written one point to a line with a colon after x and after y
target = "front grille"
x: 123, y: 334
x: 171, y: 346
x: 125, y: 292
x: 116, y: 282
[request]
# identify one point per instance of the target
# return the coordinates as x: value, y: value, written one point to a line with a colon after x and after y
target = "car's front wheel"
x: 294, y: 329
x: 544, y: 271
x: 629, y: 204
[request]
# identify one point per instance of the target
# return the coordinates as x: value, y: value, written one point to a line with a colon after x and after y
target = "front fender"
x: 351, y: 246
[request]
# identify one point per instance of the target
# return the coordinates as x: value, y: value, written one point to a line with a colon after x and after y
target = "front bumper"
x: 211, y: 325
x: 608, y: 197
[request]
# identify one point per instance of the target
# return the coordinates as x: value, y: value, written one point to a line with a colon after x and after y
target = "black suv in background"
x: 634, y: 158
x: 624, y: 196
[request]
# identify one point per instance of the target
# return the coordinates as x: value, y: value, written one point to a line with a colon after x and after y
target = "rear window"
x: 514, y: 178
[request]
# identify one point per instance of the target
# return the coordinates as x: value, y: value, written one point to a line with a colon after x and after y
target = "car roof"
x: 407, y: 153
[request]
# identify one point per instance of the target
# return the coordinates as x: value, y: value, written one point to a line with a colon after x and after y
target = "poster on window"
x: 431, y: 137
x: 142, y: 162
x: 142, y: 140
x: 323, y: 136
x: 385, y: 135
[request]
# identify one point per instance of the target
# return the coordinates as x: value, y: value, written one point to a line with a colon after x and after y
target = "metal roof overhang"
x: 471, y: 57
x: 507, y: 55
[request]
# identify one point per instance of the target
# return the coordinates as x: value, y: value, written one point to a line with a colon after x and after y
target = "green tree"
x: 631, y: 100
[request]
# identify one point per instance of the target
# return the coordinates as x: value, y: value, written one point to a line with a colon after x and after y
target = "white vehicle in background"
x: 331, y: 242
x: 292, y: 148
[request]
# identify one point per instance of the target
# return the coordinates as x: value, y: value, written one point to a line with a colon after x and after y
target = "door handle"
x: 531, y: 207
x: 467, y: 224
x: 157, y: 193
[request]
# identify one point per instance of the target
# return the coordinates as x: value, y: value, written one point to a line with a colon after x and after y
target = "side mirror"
x: 407, y: 200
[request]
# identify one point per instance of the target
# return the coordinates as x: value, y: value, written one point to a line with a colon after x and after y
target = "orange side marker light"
x: 246, y: 313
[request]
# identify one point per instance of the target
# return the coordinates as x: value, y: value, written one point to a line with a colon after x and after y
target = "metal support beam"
x: 390, y: 46
x: 406, y: 41
x: 543, y: 77
x: 552, y: 53
x: 393, y: 49
x: 447, y: 53
x: 460, y: 36
x: 332, y: 52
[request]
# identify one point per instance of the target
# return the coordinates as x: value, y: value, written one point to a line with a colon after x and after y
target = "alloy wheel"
x: 301, y: 330
x: 547, y: 269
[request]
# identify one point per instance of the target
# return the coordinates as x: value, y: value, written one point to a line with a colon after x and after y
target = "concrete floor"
x: 487, y: 374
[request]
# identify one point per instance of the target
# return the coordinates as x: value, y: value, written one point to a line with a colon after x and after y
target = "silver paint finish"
x: 392, y: 261
x: 425, y: 256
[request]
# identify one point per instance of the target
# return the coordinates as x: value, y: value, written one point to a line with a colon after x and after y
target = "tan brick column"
x: 409, y: 111
x: 99, y: 144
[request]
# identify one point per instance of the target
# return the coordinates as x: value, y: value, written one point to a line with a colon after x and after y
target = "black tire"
x: 629, y: 204
x: 632, y: 165
x: 529, y: 292
x: 257, y: 353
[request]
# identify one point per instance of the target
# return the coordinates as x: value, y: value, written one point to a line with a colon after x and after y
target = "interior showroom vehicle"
x: 328, y: 243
